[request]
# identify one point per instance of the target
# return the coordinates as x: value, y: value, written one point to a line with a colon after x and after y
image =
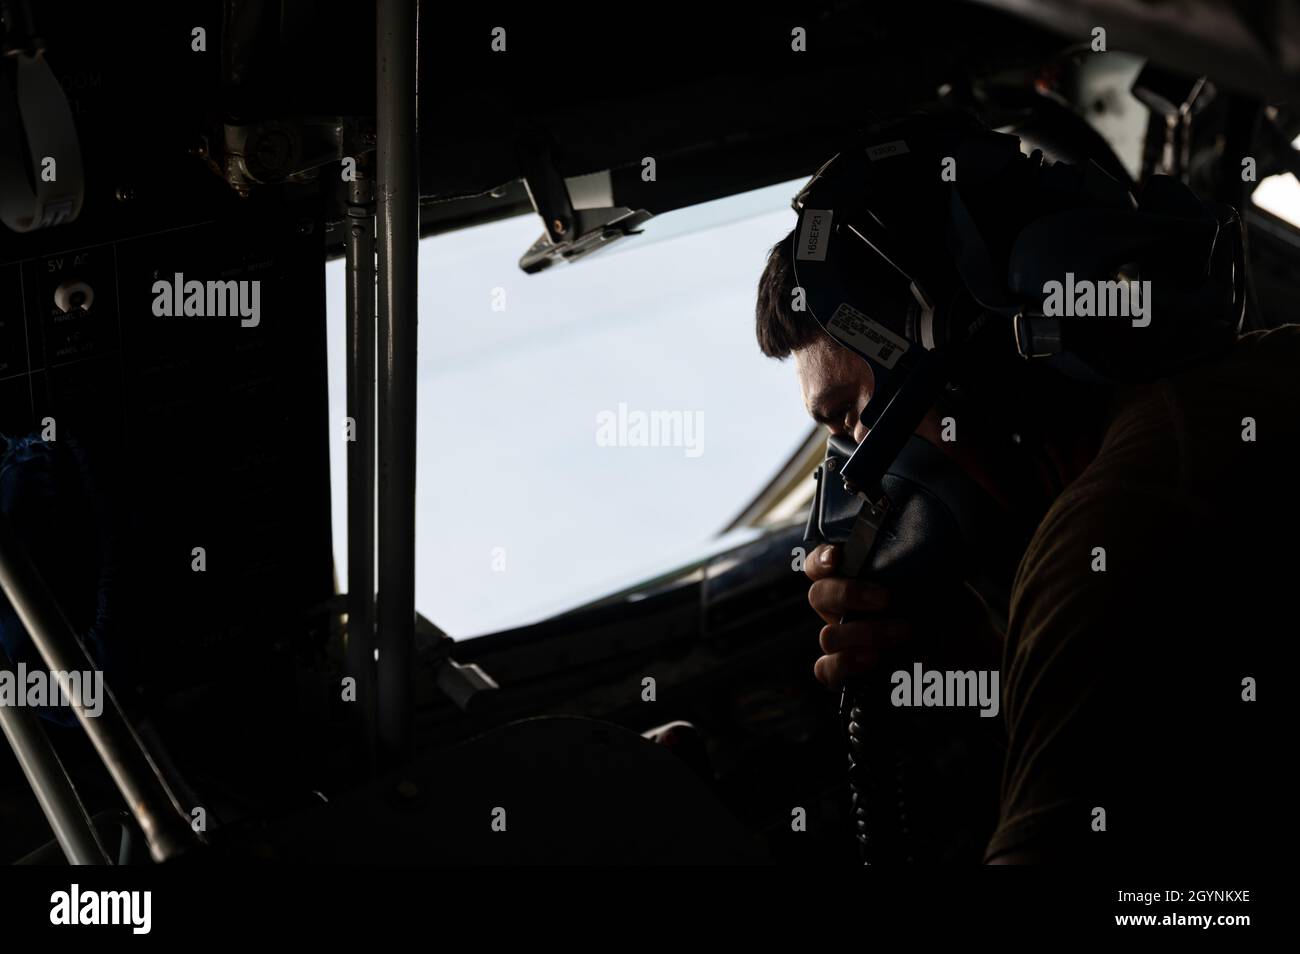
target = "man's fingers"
x: 833, y: 670
x: 822, y: 562
x: 850, y: 648
x: 832, y: 598
x: 860, y: 635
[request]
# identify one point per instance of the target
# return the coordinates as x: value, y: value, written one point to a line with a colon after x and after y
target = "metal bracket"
x: 571, y: 232
x: 461, y: 683
x: 287, y: 151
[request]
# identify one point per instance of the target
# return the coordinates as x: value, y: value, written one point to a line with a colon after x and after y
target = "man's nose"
x: 860, y: 432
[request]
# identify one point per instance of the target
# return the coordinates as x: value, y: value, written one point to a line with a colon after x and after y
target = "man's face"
x: 837, y: 385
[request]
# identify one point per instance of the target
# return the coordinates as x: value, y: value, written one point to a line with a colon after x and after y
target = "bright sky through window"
x: 524, y: 506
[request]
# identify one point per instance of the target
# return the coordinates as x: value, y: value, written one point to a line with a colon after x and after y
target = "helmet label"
x: 887, y: 149
x: 868, y: 338
x: 814, y: 235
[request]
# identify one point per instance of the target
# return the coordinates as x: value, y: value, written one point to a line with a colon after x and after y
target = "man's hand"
x: 850, y: 648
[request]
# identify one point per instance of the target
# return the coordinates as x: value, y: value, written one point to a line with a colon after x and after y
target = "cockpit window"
x: 587, y: 427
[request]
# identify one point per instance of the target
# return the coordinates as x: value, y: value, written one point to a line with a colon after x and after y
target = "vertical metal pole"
x: 361, y: 454
x: 398, y: 228
x: 72, y: 827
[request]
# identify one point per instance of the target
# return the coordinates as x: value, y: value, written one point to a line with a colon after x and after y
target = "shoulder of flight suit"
x: 1112, y: 591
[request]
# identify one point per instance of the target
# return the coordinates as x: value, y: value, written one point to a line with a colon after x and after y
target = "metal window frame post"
x: 398, y: 243
x: 360, y: 252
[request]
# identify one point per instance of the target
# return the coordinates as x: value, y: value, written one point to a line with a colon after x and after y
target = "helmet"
x: 930, y: 236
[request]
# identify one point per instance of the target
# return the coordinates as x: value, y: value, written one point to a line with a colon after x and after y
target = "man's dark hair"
x: 780, y: 329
